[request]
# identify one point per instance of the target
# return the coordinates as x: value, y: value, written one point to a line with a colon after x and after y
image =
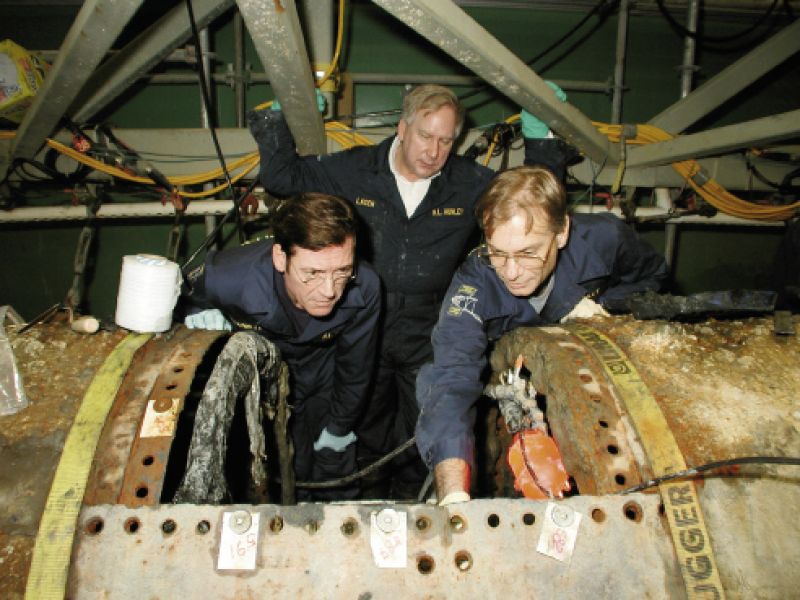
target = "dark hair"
x: 533, y: 190
x: 429, y: 98
x: 313, y: 221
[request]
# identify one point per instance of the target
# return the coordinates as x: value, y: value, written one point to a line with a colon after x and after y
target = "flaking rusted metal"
x: 726, y: 389
x: 149, y: 454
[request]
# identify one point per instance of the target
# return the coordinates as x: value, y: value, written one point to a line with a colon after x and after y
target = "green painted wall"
x: 36, y: 269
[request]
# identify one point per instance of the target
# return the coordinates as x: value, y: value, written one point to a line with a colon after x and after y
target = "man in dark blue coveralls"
x: 538, y: 266
x: 303, y: 291
x: 417, y: 202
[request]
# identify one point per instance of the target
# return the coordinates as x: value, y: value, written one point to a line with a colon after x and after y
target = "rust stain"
x: 278, y: 6
x: 726, y: 388
x: 149, y: 451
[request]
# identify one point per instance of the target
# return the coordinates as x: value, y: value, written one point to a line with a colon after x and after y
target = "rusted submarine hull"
x: 726, y: 389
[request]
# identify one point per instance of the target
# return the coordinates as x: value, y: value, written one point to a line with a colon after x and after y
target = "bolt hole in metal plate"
x: 633, y: 511
x: 458, y: 523
x: 423, y: 523
x: 426, y: 564
x: 463, y: 560
x: 458, y: 566
x: 350, y: 527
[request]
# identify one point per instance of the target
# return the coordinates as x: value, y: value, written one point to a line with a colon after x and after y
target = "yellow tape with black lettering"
x: 682, y: 506
x: 47, y: 577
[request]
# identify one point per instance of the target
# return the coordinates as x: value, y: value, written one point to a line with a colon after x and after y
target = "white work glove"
x: 586, y: 309
x: 454, y: 498
x: 337, y: 443
x: 208, y: 319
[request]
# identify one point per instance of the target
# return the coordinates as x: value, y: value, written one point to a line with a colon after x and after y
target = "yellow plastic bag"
x: 21, y: 76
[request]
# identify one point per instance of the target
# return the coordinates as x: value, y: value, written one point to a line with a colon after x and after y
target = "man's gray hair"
x: 430, y: 98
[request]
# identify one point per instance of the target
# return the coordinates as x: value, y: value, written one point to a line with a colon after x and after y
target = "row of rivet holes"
x: 611, y: 448
x: 631, y: 510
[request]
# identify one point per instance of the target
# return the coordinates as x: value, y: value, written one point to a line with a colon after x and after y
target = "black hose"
x: 744, y: 460
x: 710, y: 38
x: 206, y: 242
x: 342, y: 481
x: 207, y: 104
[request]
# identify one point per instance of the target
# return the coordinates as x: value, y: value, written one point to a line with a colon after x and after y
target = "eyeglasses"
x: 315, y: 277
x: 526, y: 260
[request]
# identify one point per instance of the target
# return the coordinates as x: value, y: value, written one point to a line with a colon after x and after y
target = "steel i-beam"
x: 275, y: 29
x: 460, y: 36
x: 757, y: 132
x: 95, y: 28
x: 730, y: 81
x: 142, y: 54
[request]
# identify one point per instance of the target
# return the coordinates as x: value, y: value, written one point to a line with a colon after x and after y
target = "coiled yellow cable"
x: 710, y: 190
x: 239, y: 168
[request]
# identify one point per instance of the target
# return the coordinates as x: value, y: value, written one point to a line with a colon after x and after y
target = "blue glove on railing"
x: 208, y: 319
x: 533, y: 127
x: 320, y: 102
x: 337, y: 443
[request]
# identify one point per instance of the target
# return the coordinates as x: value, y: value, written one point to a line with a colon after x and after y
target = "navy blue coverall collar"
x: 442, y: 187
x: 578, y: 264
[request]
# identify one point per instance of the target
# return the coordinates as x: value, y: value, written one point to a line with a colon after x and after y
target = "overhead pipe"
x: 619, y: 64
x: 239, y: 81
x: 574, y: 85
x: 202, y: 208
x: 205, y: 117
x: 320, y: 30
x: 687, y: 76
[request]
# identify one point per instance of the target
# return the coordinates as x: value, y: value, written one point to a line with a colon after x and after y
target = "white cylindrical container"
x: 149, y: 286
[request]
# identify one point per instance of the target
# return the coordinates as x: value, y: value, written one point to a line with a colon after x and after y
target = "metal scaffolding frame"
x: 75, y: 82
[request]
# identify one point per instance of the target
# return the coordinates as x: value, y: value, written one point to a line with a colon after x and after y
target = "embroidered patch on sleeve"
x: 464, y: 301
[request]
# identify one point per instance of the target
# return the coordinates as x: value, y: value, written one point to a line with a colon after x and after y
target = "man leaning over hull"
x: 538, y: 266
x: 304, y: 291
x: 417, y: 202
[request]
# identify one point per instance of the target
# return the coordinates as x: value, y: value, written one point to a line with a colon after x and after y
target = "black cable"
x: 332, y: 483
x: 600, y: 5
x: 744, y: 460
x: 207, y: 104
x: 758, y: 175
x: 711, y: 38
x: 573, y: 46
x: 607, y: 4
x: 234, y: 210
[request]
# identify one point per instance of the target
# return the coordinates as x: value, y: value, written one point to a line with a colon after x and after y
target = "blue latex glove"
x: 208, y: 319
x: 320, y: 102
x: 337, y: 443
x: 533, y: 127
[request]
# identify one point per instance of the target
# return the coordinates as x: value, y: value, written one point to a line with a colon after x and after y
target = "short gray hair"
x: 430, y: 98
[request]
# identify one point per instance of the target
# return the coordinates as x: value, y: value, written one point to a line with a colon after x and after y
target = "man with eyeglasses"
x: 415, y: 199
x: 302, y: 290
x: 537, y: 266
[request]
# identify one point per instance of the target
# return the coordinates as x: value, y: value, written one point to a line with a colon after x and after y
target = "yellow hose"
x: 711, y: 191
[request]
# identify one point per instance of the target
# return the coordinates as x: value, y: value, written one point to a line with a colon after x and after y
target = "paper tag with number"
x: 238, y: 545
x: 388, y: 538
x: 560, y: 531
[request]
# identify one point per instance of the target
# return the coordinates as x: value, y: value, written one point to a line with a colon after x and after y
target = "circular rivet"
x: 240, y: 521
x: 563, y: 516
x: 162, y: 405
x: 388, y: 520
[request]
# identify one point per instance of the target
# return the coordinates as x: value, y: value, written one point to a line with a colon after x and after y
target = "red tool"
x: 536, y: 462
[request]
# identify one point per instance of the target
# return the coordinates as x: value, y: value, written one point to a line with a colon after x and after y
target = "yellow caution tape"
x: 51, y: 554
x: 687, y: 526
